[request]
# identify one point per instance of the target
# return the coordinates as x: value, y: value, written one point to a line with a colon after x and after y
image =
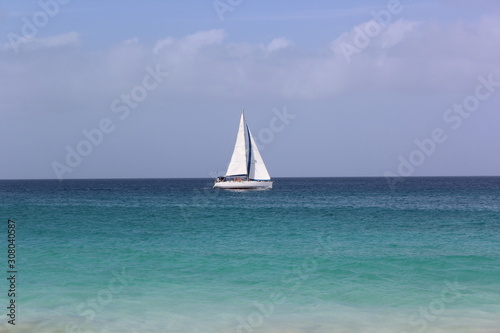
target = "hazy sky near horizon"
x: 100, y: 89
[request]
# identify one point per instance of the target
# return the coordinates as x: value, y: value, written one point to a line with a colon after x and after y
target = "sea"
x: 315, y: 255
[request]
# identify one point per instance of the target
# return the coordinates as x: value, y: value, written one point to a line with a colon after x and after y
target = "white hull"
x: 244, y: 185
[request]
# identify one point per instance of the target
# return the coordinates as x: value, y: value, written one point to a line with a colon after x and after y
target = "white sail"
x: 238, y: 164
x: 257, y: 169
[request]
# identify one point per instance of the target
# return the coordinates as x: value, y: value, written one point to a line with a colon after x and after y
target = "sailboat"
x: 246, y: 169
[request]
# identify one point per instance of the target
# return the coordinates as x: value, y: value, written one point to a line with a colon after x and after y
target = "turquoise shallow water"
x: 311, y: 255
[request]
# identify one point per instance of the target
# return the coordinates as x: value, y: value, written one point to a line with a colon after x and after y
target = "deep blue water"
x: 310, y: 255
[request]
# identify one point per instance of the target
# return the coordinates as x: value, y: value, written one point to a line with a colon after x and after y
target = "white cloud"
x: 162, y: 43
x: 414, y: 57
x: 191, y: 44
x: 278, y: 44
x: 397, y: 32
x: 372, y: 35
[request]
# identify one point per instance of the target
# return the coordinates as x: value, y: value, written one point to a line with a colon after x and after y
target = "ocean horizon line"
x: 283, y: 177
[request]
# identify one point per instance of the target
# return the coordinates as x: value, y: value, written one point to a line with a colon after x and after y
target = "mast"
x: 249, y: 163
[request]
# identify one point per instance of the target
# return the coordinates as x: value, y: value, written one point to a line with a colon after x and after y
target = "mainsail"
x: 238, y: 165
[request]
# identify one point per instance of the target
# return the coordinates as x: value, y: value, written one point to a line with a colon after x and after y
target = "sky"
x: 154, y: 89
